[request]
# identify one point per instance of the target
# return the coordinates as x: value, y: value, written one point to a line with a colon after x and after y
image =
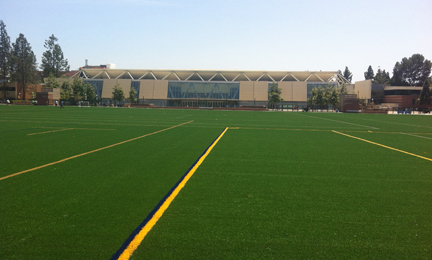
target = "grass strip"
x: 135, y: 239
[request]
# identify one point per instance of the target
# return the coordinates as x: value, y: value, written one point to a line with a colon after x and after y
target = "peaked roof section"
x: 212, y: 75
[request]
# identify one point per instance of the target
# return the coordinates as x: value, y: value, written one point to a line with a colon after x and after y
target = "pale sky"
x: 272, y: 35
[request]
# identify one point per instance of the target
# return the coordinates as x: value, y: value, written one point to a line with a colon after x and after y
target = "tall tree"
x: 333, y: 99
x: 66, y: 88
x: 78, y: 87
x: 23, y: 62
x: 411, y: 71
x: 132, y: 95
x: 369, y: 74
x: 426, y: 93
x: 90, y: 92
x: 5, y: 56
x: 274, y: 94
x: 313, y: 97
x: 320, y: 98
x: 347, y: 74
x: 51, y: 82
x: 382, y: 77
x: 53, y: 60
x: 118, y: 93
x: 344, y: 89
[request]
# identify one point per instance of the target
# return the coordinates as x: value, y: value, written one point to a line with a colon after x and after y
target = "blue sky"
x: 227, y: 35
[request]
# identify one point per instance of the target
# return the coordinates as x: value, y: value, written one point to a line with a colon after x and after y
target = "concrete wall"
x: 153, y: 89
x: 160, y: 89
x: 146, y: 89
x: 363, y: 89
x: 299, y: 91
x: 293, y: 90
x: 260, y: 91
x: 246, y: 90
x: 253, y: 90
x: 286, y: 90
x: 108, y: 85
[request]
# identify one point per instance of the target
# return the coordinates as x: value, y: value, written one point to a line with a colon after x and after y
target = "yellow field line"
x: 106, y: 147
x: 388, y: 147
x: 149, y: 225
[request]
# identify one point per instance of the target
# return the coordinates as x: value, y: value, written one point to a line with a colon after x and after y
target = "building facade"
x: 208, y: 88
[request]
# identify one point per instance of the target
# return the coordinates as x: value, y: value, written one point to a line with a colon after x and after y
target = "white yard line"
x: 343, y: 122
x: 392, y: 122
x: 418, y: 136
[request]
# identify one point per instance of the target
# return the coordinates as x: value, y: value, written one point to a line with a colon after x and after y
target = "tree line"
x: 412, y: 71
x: 18, y: 61
x: 322, y: 97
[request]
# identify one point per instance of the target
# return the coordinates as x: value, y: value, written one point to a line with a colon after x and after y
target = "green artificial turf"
x: 276, y: 186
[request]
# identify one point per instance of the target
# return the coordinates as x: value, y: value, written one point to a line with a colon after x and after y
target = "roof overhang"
x: 212, y: 75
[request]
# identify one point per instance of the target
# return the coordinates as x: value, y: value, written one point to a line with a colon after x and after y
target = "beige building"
x: 208, y: 87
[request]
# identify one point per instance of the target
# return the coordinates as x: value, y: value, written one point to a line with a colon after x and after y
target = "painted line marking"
x: 99, y: 149
x: 381, y: 121
x: 417, y: 136
x: 132, y: 243
x: 343, y: 122
x: 388, y: 147
x: 51, y: 131
x: 326, y: 130
x: 71, y: 129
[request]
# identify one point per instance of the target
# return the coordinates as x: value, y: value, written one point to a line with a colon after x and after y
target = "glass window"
x: 97, y: 85
x: 203, y: 90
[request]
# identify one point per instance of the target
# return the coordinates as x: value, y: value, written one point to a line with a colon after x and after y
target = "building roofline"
x: 212, y: 75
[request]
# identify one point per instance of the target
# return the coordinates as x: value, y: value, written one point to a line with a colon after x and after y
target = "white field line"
x: 391, y: 122
x: 343, y: 122
x: 417, y: 136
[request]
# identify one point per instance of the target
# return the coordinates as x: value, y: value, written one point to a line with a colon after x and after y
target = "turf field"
x: 75, y: 183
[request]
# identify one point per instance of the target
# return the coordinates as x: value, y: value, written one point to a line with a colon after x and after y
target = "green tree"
x: 274, y: 95
x: 426, y: 93
x: 382, y: 77
x: 53, y: 59
x: 333, y: 99
x: 347, y: 74
x: 411, y: 71
x: 132, y: 95
x: 320, y: 98
x: 396, y: 80
x: 65, y: 94
x: 51, y: 82
x: 5, y: 56
x: 118, y: 93
x: 90, y: 92
x: 344, y: 89
x: 79, y: 89
x: 313, y: 97
x: 369, y: 74
x: 327, y: 95
x: 66, y: 90
x: 23, y: 62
